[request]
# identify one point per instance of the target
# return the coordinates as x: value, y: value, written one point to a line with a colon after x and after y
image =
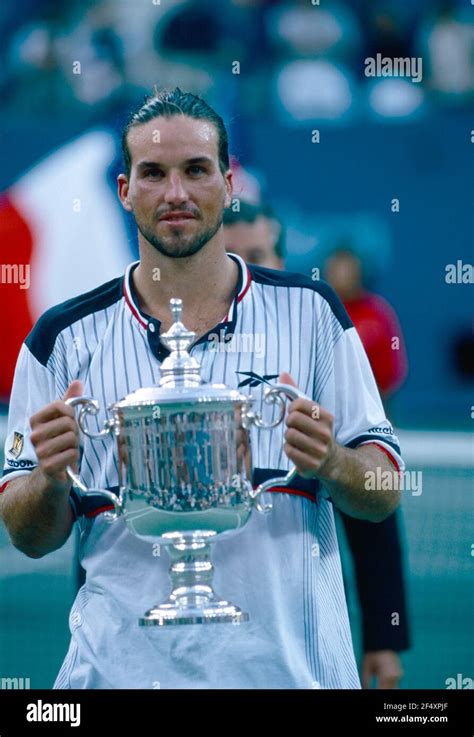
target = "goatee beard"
x: 180, y: 250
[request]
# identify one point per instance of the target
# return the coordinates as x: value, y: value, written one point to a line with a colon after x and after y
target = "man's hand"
x: 35, y: 508
x: 309, y: 438
x: 55, y: 438
x: 384, y: 666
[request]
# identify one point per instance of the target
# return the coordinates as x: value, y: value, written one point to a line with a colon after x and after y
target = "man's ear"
x: 229, y: 188
x: 123, y: 192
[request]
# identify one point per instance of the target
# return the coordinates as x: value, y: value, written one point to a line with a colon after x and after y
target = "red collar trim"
x: 128, y: 296
x: 246, y: 281
x: 246, y: 277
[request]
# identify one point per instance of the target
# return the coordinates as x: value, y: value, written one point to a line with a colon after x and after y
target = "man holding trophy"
x: 134, y: 416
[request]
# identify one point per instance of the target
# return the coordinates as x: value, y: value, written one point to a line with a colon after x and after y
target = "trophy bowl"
x: 186, y: 470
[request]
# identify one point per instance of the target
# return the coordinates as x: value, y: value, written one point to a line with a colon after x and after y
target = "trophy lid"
x: 181, y: 379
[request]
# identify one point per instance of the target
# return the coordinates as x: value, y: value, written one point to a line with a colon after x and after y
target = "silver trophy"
x: 185, y: 473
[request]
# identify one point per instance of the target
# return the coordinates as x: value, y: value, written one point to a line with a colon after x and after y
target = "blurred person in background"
x: 255, y: 233
x: 446, y: 40
x: 375, y: 320
x: 32, y: 62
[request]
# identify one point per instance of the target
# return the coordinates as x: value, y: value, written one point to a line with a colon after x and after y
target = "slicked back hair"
x: 168, y: 103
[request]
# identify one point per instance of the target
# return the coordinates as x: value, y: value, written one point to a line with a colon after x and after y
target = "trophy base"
x: 192, y: 599
x: 215, y: 612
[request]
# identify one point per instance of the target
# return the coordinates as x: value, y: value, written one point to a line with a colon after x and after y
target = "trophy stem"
x: 192, y: 599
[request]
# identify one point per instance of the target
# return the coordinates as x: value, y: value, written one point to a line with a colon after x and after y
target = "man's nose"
x: 175, y: 190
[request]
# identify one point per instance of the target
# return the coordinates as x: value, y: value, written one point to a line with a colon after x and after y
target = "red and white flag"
x: 61, y: 234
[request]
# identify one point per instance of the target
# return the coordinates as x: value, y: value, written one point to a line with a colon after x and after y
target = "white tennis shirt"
x: 283, y: 568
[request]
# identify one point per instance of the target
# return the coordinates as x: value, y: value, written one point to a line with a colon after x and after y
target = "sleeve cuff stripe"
x: 366, y: 438
x: 388, y: 454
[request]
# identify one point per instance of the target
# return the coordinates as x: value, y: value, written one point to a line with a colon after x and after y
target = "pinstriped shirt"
x: 283, y: 568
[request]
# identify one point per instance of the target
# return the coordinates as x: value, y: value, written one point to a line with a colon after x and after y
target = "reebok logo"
x: 254, y: 379
x: 384, y: 430
x: 19, y: 464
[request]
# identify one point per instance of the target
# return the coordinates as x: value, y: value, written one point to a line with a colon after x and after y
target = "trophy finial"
x: 176, y: 308
x: 180, y: 368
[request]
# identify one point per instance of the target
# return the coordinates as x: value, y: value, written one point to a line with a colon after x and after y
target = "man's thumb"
x: 75, y: 389
x: 286, y: 378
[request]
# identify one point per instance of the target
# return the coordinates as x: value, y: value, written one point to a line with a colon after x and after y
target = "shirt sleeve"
x: 35, y: 385
x: 352, y: 392
x: 33, y: 388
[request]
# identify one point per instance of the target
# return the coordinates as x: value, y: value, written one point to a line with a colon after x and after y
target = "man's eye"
x: 196, y: 169
x: 153, y: 173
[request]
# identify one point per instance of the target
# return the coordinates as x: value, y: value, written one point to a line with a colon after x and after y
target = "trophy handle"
x: 91, y: 407
x: 274, y: 396
x: 266, y: 507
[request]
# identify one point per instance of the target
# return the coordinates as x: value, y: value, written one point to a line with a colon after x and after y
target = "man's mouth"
x: 177, y: 217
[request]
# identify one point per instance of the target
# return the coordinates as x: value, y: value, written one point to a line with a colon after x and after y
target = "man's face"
x: 176, y: 190
x: 254, y: 242
x: 343, y: 272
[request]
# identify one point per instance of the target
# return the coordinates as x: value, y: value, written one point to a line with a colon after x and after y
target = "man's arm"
x: 348, y: 474
x: 36, y: 513
x: 35, y: 508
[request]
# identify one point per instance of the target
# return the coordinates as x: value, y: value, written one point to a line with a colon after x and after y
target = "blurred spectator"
x: 315, y: 47
x: 447, y: 40
x: 390, y: 31
x: 386, y: 34
x: 254, y: 233
x: 187, y: 43
x: 374, y: 319
x: 395, y: 98
x: 96, y: 47
x: 300, y: 29
x: 306, y: 90
x: 37, y: 84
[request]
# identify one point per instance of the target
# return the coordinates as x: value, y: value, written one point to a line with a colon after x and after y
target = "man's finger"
x: 286, y: 378
x: 75, y: 389
x: 53, y: 428
x: 51, y: 412
x: 302, y: 417
x: 55, y: 446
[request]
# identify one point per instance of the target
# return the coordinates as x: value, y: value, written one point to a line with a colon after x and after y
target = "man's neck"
x: 206, y: 282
